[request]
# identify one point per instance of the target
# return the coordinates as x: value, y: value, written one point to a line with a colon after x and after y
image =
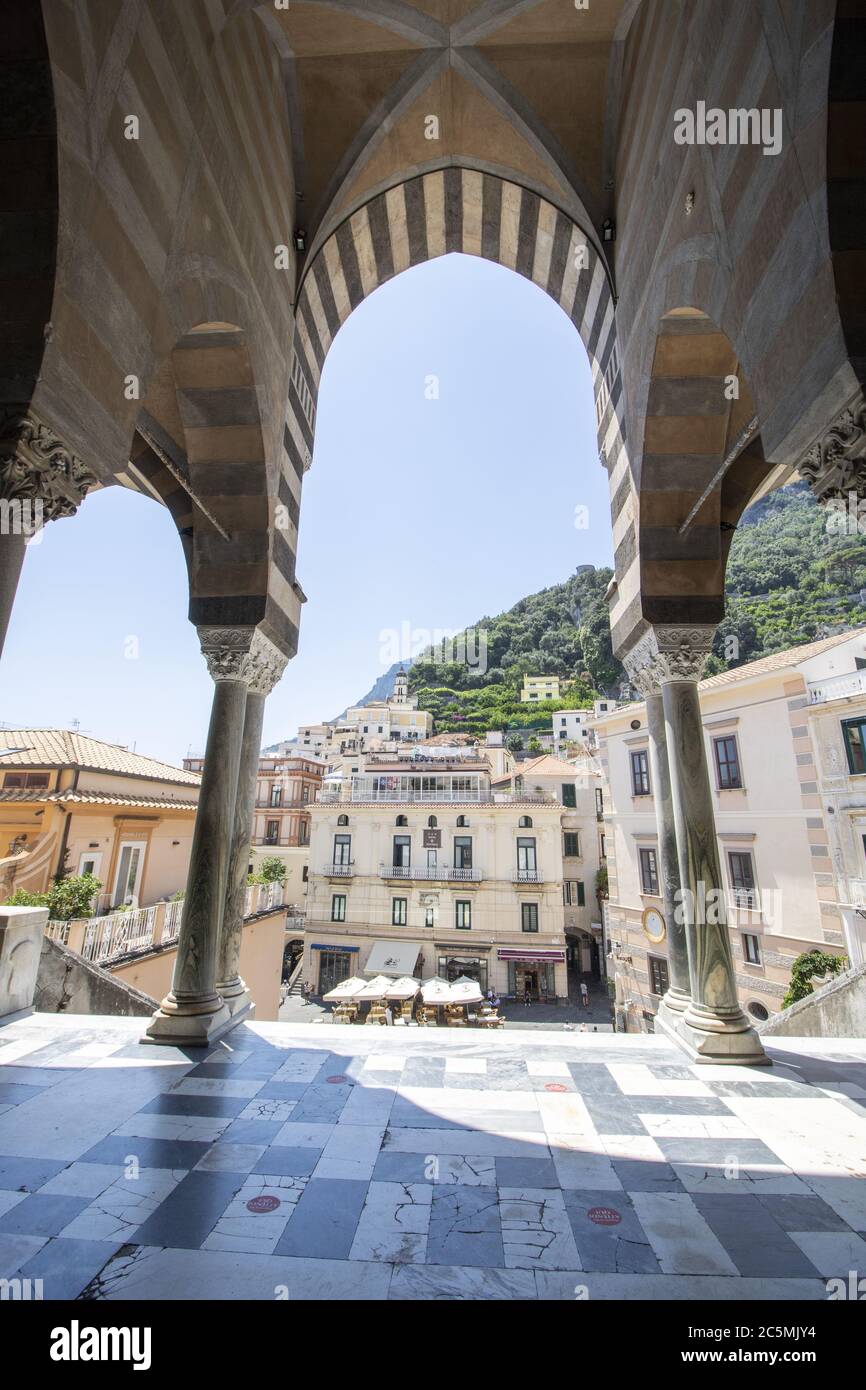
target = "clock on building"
x: 654, y: 925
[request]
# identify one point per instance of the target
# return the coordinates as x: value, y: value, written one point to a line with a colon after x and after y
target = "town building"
x: 421, y: 865
x: 71, y: 804
x: 785, y: 739
x: 286, y: 788
x: 540, y: 688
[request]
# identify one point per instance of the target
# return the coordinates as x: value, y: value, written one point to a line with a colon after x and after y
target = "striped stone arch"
x: 478, y: 214
x: 702, y: 464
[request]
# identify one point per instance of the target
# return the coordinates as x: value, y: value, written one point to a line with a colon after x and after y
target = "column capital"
x: 242, y: 654
x: 836, y: 463
x: 37, y: 467
x: 669, y: 652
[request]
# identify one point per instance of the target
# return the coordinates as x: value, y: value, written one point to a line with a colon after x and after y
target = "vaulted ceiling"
x: 523, y: 88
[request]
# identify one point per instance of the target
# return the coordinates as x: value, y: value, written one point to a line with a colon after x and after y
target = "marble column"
x: 265, y: 666
x: 713, y: 1027
x: 194, y: 1013
x: 40, y: 480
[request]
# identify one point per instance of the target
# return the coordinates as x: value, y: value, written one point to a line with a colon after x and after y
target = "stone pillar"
x: 265, y: 667
x: 193, y: 1013
x: 713, y: 1027
x: 40, y: 481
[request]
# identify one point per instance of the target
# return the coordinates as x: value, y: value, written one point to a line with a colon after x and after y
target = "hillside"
x: 788, y: 581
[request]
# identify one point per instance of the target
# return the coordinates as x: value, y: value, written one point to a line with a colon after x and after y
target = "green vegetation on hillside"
x: 789, y: 580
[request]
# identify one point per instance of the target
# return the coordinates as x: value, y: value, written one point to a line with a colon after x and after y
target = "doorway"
x: 130, y: 865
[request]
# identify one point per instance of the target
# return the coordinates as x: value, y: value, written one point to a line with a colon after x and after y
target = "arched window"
x: 432, y: 822
x: 462, y: 820
x: 525, y: 822
x: 401, y: 820
x: 342, y: 820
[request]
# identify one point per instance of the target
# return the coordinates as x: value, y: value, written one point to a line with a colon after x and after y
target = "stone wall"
x: 836, y: 1010
x: 68, y: 984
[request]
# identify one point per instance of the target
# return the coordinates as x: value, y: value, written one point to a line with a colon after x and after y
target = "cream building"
x: 788, y: 774
x: 70, y: 804
x: 540, y: 688
x: 421, y: 866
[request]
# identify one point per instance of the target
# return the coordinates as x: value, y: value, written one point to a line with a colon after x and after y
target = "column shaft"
x: 12, y: 551
x: 679, y: 993
x: 229, y: 983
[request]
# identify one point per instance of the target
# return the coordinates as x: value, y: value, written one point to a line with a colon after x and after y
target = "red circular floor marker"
x: 263, y: 1204
x: 604, y: 1216
x: 554, y: 1086
x: 337, y: 1080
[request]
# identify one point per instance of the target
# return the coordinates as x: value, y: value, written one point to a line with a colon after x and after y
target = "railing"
x: 339, y: 870
x: 263, y: 897
x: 527, y: 876
x: 837, y: 687
x: 58, y: 931
x: 295, y: 924
x: 171, y: 921
x: 118, y: 934
x: 434, y: 873
x: 853, y: 892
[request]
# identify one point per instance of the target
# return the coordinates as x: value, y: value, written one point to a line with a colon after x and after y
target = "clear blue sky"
x: 431, y: 512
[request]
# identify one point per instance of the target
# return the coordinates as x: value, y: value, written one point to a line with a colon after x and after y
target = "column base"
x: 742, y: 1048
x: 171, y: 1027
x: 674, y: 1004
x: 237, y: 999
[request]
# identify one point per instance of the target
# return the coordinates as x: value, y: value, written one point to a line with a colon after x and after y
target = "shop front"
x: 534, y: 971
x: 336, y: 964
x: 452, y: 967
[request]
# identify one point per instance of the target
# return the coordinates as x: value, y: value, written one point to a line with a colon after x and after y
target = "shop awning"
x: 347, y: 990
x: 466, y: 991
x: 436, y: 991
x: 393, y: 958
x: 404, y: 988
x: 520, y: 953
x: 375, y: 989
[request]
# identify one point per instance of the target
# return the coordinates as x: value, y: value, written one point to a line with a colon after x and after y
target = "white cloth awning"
x: 404, y: 988
x: 393, y: 958
x: 347, y: 990
x: 375, y: 989
x: 466, y: 991
x: 436, y: 991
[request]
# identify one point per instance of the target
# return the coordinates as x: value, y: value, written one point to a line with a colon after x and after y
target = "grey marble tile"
x: 608, y: 1234
x: 393, y: 1223
x: 188, y: 1215
x: 794, y: 1213
x: 640, y: 1175
x: 27, y: 1174
x: 41, y: 1215
x: 291, y: 1162
x: 536, y: 1232
x: 526, y: 1172
x: 465, y: 1227
x: 149, y: 1153
x: 757, y: 1244
x: 613, y: 1114
x: 325, y: 1219
x: 66, y: 1267
x: 218, y: 1107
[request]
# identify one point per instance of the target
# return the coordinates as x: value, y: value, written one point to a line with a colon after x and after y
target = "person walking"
x: 584, y: 994
x: 527, y: 996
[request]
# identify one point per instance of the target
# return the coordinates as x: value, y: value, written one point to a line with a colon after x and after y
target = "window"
x: 569, y: 794
x: 338, y: 907
x: 599, y: 802
x: 462, y: 852
x: 342, y: 820
x: 525, y: 822
x: 640, y: 782
x: 854, y: 734
x: 758, y: 1010
x: 751, y: 949
x: 402, y: 856
x: 727, y: 763
x: 526, y: 859
x: 342, y: 849
x: 304, y: 832
x: 601, y: 849
x: 742, y: 877
x: 529, y: 917
x: 398, y: 912
x: 649, y: 871
x: 429, y: 916
x: 463, y: 916
x: 272, y: 833
x: 432, y: 822
x: 276, y: 794
x: 571, y: 844
x: 658, y: 973
x: 401, y: 820
x: 462, y: 820
x: 26, y: 779
x: 305, y: 873
x: 305, y: 792
x: 573, y: 893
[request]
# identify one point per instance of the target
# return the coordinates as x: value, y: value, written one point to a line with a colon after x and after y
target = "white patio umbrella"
x: 375, y: 989
x: 404, y: 988
x: 436, y: 991
x: 466, y: 991
x: 347, y: 989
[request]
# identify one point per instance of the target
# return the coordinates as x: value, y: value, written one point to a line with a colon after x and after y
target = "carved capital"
x: 37, y: 467
x: 669, y: 653
x: 242, y: 654
x: 836, y: 464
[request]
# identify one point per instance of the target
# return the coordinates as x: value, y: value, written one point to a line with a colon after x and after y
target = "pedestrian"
x: 527, y: 996
x: 584, y: 994
x: 389, y: 1017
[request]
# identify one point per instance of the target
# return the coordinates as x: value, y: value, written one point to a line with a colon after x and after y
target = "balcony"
x: 439, y: 873
x: 339, y: 870
x: 837, y: 687
x: 527, y: 876
x: 852, y: 892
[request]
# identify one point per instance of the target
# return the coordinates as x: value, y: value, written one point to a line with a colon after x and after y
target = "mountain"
x: 382, y: 688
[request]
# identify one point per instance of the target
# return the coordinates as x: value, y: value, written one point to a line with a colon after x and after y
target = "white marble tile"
x: 846, y: 1195
x: 384, y: 1061
x: 459, y: 1141
x: 538, y: 1066
x: 819, y: 1136
x: 206, y: 1086
x: 83, y: 1180
x: 255, y: 1232
x: 536, y: 1232
x: 202, y: 1129
x: 121, y: 1208
x: 465, y: 1066
x: 697, y: 1126
x: 764, y: 1179
x: 300, y: 1066
x: 460, y: 1282
x: 565, y: 1113
x: 230, y: 1158
x: 177, y: 1275
x: 277, y: 1111
x: 637, y: 1080
x: 638, y: 1146
x: 368, y: 1106
x: 351, y: 1152
x: 303, y: 1135
x: 692, y: 1288
x: 833, y: 1253
x: 441, y: 1100
x: 680, y: 1237
x: 227, y: 1056
x: 393, y: 1224
x: 578, y: 1167
x: 474, y: 1170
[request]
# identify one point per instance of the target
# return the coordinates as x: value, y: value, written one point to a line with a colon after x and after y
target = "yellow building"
x: 537, y: 688
x: 72, y: 804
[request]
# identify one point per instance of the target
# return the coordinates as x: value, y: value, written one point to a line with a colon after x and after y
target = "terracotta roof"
x: 34, y: 796
x: 545, y: 766
x: 63, y: 748
x: 777, y: 661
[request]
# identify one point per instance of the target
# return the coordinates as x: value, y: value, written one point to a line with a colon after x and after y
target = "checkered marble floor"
x: 334, y: 1162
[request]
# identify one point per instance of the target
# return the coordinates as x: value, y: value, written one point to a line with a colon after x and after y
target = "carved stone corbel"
x: 242, y: 654
x: 671, y: 652
x: 36, y: 467
x: 836, y: 463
